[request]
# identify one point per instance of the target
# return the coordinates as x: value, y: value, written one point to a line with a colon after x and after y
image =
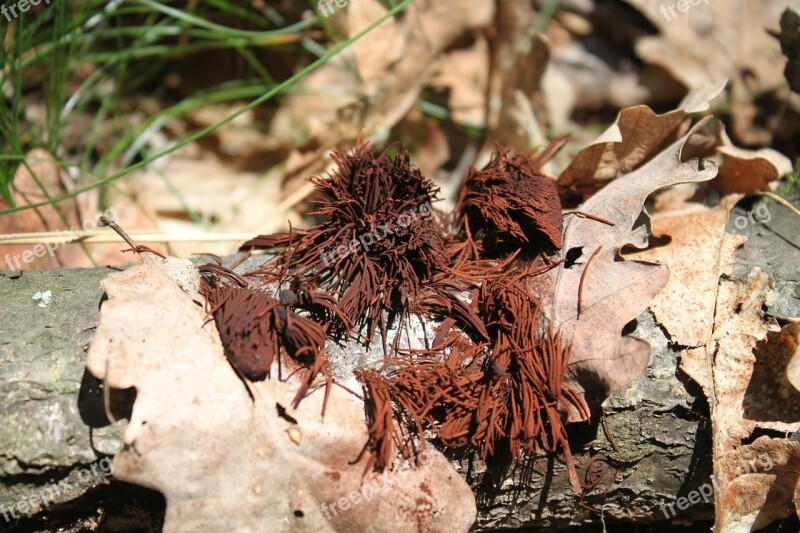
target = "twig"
x: 779, y: 199
x: 99, y: 236
x: 583, y: 277
x: 587, y: 215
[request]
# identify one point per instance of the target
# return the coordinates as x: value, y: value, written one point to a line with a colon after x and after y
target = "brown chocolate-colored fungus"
x: 509, y: 204
x: 378, y: 242
x: 505, y: 396
x: 385, y: 437
x: 257, y: 329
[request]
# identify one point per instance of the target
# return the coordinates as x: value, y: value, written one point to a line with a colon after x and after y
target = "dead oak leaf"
x: 686, y: 306
x: 739, y: 324
x: 757, y: 484
x: 225, y: 461
x: 592, y: 296
x: 697, y: 253
x: 637, y: 135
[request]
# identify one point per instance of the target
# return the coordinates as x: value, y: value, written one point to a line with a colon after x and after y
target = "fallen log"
x: 54, y: 431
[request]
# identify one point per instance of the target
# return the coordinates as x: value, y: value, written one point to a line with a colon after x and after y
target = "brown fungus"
x: 378, y: 243
x: 381, y: 254
x: 505, y: 397
x: 509, y: 204
x: 385, y: 438
x: 258, y: 330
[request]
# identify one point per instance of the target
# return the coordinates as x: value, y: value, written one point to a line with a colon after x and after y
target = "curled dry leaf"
x: 225, y: 461
x: 744, y: 171
x: 636, y: 136
x: 592, y: 295
x: 639, y: 133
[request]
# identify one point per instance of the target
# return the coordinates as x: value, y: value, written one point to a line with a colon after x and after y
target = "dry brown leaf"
x: 697, y: 253
x: 635, y: 137
x: 713, y: 40
x: 744, y: 171
x: 638, y: 133
x: 25, y: 190
x: 465, y: 74
x: 734, y: 356
x: 697, y: 362
x: 613, y: 292
x: 584, y: 72
x: 739, y: 325
x: 225, y: 462
x: 40, y: 170
x: 749, y: 393
x: 757, y: 484
x: 686, y: 305
x: 233, y: 198
x: 680, y: 198
x: 740, y: 171
x: 427, y: 31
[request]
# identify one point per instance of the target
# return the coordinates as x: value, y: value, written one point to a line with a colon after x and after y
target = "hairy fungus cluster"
x: 492, y: 379
x: 378, y: 243
x: 504, y: 397
x: 509, y: 204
